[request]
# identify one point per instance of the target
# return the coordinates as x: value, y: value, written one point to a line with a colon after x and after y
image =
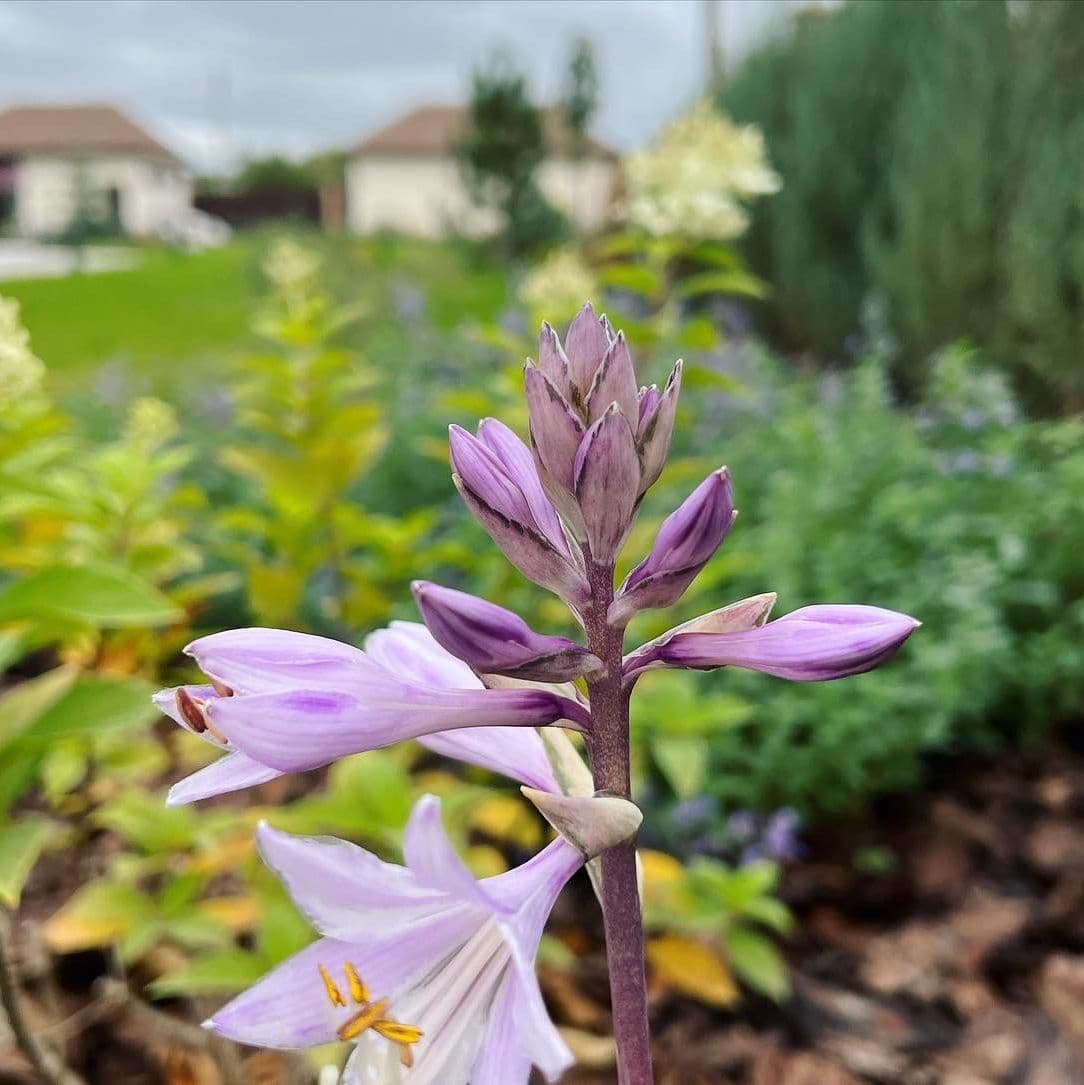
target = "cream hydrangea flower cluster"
x: 695, y: 179
x: 21, y: 371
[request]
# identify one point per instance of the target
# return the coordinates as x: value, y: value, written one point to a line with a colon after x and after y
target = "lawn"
x: 174, y: 307
x: 177, y: 318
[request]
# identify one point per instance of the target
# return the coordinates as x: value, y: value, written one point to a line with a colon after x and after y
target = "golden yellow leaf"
x: 224, y: 856
x: 238, y: 913
x: 485, y: 861
x: 693, y: 968
x: 69, y: 931
x: 508, y: 820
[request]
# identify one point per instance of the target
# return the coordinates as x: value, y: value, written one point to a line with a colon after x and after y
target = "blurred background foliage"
x: 951, y: 184
x: 878, y: 296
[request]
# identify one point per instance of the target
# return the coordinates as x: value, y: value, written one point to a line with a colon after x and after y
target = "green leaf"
x: 635, y: 278
x: 729, y: 281
x: 18, y: 771
x: 771, y: 912
x: 145, y: 821
x: 95, y: 595
x: 757, y: 961
x: 711, y: 380
x: 97, y: 915
x: 12, y: 647
x: 93, y: 706
x: 20, y: 846
x: 62, y: 770
x: 21, y: 705
x: 219, y: 973
x: 683, y: 761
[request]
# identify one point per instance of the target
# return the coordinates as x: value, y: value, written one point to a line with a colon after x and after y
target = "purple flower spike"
x: 607, y: 483
x: 814, y: 644
x: 429, y: 973
x: 685, y: 542
x: 285, y: 702
x: 497, y: 478
x: 493, y: 640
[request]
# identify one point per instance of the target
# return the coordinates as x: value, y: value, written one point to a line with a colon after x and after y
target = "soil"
x: 940, y: 941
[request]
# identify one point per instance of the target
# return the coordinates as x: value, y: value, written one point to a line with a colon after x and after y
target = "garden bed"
x: 939, y: 940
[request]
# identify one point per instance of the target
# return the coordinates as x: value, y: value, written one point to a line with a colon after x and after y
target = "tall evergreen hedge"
x: 932, y: 152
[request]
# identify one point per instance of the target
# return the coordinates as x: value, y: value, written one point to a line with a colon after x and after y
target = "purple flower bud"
x: 496, y: 476
x: 814, y: 644
x: 493, y: 640
x: 552, y: 360
x: 586, y: 344
x: 607, y: 483
x: 685, y: 542
x: 656, y: 427
x: 615, y: 382
x: 649, y: 402
x: 556, y: 431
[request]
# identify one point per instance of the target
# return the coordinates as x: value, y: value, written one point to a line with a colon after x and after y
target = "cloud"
x: 220, y: 79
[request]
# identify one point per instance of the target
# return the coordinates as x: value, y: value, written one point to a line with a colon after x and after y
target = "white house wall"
x: 424, y: 196
x: 48, y: 191
x: 583, y: 189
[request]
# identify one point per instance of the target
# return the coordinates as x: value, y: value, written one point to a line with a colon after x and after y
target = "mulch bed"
x: 963, y: 964
x: 959, y: 962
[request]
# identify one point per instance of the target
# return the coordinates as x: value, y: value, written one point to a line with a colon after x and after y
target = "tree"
x: 581, y: 93
x: 501, y: 151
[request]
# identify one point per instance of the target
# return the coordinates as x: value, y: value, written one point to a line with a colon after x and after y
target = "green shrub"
x: 932, y: 152
x: 955, y: 513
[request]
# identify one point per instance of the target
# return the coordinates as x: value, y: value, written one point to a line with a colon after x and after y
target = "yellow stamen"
x: 358, y: 990
x: 406, y: 1056
x: 366, y: 1018
x: 397, y: 1033
x: 335, y: 996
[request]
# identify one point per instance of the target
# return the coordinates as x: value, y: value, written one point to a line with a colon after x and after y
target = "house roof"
x: 75, y: 128
x: 436, y: 129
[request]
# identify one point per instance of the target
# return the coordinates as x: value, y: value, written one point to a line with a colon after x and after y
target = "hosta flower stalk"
x: 426, y: 972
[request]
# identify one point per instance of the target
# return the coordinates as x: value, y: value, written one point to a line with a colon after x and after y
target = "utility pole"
x: 714, y: 14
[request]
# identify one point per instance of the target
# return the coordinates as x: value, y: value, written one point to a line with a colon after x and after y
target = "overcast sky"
x: 221, y: 79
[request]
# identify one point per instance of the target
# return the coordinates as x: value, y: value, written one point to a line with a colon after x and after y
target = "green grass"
x: 172, y: 308
x: 176, y: 319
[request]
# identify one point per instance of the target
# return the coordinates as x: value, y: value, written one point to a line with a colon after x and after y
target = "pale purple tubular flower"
x: 497, y: 478
x: 493, y: 640
x: 813, y: 644
x: 185, y: 706
x: 285, y: 702
x: 429, y: 973
x: 409, y: 649
x: 685, y: 543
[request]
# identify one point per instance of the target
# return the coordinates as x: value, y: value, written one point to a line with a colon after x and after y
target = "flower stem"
x: 620, y: 892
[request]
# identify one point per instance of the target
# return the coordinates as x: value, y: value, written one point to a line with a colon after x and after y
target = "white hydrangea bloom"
x: 21, y: 371
x: 558, y: 284
x: 694, y: 180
